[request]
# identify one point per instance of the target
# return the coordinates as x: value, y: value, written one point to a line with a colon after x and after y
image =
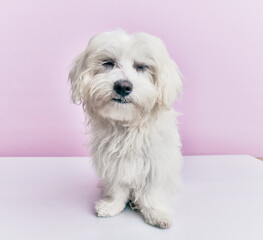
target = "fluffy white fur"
x: 135, y: 143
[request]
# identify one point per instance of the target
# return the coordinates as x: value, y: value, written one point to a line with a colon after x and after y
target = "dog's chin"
x: 119, y: 110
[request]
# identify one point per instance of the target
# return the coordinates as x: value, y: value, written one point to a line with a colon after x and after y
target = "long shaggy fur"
x: 135, y: 143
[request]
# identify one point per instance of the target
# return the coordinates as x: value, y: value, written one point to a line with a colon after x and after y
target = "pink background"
x: 218, y: 46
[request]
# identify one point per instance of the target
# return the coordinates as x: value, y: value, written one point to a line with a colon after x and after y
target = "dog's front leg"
x: 154, y: 209
x: 113, y: 201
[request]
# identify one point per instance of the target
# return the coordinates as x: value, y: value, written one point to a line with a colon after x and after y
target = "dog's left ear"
x: 169, y: 83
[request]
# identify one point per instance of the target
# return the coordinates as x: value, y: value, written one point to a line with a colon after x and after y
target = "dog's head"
x: 124, y: 77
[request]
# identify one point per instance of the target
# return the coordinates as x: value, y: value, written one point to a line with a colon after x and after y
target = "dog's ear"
x: 76, y: 77
x: 169, y: 82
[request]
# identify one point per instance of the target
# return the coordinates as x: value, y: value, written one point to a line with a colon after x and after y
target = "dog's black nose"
x: 123, y: 87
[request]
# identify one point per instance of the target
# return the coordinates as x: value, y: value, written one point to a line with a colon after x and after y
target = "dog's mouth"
x: 121, y: 100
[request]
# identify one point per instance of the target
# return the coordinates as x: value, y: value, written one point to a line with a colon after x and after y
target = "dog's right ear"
x: 76, y: 77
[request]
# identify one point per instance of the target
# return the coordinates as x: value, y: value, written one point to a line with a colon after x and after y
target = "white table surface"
x: 52, y: 198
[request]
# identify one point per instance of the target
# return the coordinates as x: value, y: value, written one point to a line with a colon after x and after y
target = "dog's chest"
x: 122, y: 155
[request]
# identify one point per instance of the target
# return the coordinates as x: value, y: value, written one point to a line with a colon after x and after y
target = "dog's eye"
x: 140, y: 67
x: 109, y: 64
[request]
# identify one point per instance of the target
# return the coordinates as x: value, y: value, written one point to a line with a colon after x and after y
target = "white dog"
x: 127, y: 85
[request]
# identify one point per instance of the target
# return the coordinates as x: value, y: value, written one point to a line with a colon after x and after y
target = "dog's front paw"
x: 107, y: 208
x: 157, y: 218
